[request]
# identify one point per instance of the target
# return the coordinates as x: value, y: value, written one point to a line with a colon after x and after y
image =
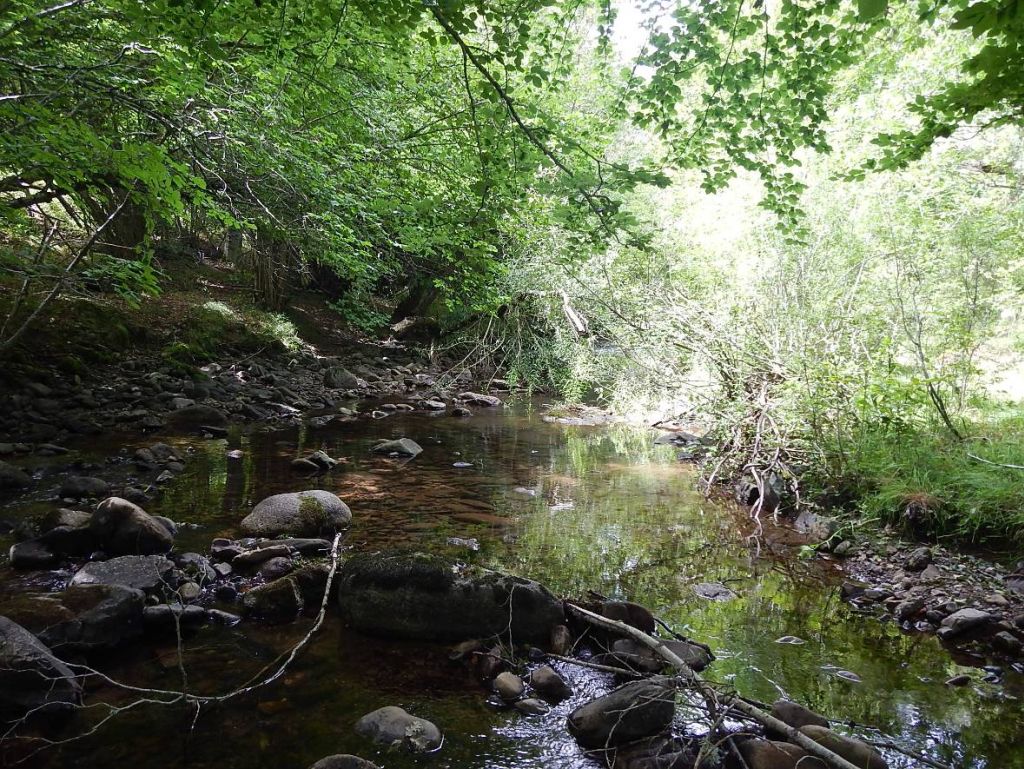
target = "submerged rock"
x: 277, y: 601
x: 531, y: 706
x: 102, y: 617
x: 124, y: 528
x: 479, y: 399
x: 403, y: 447
x: 631, y: 712
x: 714, y: 591
x: 413, y: 595
x: 31, y: 677
x: 300, y: 514
x: 343, y: 761
x: 393, y: 727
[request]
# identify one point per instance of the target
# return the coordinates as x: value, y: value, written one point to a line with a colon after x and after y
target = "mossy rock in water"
x: 415, y: 595
x: 298, y: 514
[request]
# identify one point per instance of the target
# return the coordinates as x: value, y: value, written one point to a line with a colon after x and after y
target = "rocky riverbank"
x: 974, y: 605
x: 145, y: 394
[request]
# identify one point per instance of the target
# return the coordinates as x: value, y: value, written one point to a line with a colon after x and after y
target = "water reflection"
x: 578, y: 508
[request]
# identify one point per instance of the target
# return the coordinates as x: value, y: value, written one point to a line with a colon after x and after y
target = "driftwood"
x: 691, y: 678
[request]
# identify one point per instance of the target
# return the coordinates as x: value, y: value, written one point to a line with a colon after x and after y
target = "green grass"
x: 925, y: 481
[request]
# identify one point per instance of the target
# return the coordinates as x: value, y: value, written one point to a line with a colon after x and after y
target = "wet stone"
x: 142, y: 572
x: 509, y: 686
x: 394, y: 727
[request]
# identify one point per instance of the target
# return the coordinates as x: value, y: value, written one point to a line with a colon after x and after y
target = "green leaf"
x: 870, y: 9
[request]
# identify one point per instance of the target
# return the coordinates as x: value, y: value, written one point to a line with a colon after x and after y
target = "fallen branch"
x: 976, y: 458
x: 168, y: 697
x: 693, y: 679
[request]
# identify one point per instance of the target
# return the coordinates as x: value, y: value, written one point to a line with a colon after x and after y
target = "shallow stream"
x: 577, y: 508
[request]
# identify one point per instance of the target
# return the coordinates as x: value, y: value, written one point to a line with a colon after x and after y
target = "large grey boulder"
x: 393, y: 727
x: 31, y: 677
x: 141, y: 572
x: 631, y: 712
x: 124, y: 528
x: 298, y: 514
x: 403, y: 447
x: 413, y: 595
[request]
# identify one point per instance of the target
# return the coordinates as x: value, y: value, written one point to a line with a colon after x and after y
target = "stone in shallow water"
x: 277, y: 601
x: 631, y: 712
x: 531, y: 706
x: 403, y: 447
x: 82, y: 618
x: 393, y: 726
x: 79, y: 487
x: 796, y: 715
x: 509, y: 686
x: 714, y: 591
x: 549, y: 685
x: 415, y: 595
x: 32, y: 554
x: 858, y: 753
x: 142, y: 572
x: 124, y: 528
x: 301, y: 514
x: 343, y: 761
x: 30, y: 675
x: 964, y: 620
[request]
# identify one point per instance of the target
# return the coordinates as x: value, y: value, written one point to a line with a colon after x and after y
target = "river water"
x: 577, y: 508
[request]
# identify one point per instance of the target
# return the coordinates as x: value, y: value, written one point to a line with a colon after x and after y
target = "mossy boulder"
x: 298, y: 514
x: 414, y: 595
